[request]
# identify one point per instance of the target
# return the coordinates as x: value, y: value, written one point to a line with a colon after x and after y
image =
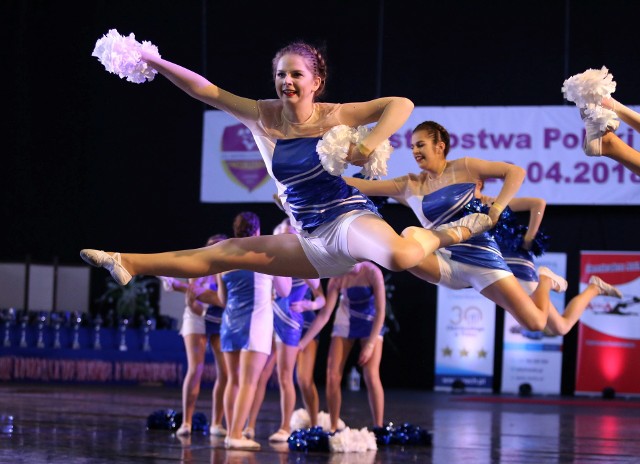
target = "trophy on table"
x: 124, y: 322
x: 9, y: 316
x: 42, y: 321
x: 97, y: 326
x: 76, y: 321
x: 148, y: 326
x: 57, y: 319
x: 24, y: 320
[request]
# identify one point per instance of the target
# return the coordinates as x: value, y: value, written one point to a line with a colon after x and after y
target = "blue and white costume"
x: 355, y: 314
x: 288, y: 324
x: 320, y: 206
x: 207, y: 323
x: 213, y: 315
x: 477, y: 262
x: 247, y: 321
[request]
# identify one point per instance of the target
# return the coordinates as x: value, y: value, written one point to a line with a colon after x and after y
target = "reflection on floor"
x: 74, y: 424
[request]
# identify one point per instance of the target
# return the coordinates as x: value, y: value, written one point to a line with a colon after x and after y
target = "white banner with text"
x: 545, y: 140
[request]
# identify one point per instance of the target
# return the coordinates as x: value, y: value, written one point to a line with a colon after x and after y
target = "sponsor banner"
x: 534, y: 357
x: 465, y: 330
x: 545, y: 140
x: 609, y: 336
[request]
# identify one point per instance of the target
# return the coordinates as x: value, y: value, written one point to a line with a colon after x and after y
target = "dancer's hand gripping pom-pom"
x: 121, y: 55
x: 587, y: 90
x: 334, y: 151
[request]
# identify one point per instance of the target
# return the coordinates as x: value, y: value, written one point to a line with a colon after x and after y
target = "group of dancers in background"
x: 335, y: 231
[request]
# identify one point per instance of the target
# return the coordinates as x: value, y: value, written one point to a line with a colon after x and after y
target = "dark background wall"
x: 89, y: 160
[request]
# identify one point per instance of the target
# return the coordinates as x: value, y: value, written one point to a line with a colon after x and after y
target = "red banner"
x: 609, y: 337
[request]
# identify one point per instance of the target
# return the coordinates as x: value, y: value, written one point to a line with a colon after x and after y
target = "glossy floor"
x: 88, y: 424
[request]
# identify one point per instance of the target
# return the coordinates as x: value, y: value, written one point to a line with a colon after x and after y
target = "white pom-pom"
x: 602, y: 117
x: 334, y: 146
x: 324, y: 421
x: 377, y: 164
x: 121, y: 55
x: 353, y: 441
x: 300, y: 419
x: 589, y: 87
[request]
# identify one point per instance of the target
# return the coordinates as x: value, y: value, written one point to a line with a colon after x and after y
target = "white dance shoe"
x: 241, y: 443
x: 604, y: 288
x: 99, y: 258
x: 281, y: 436
x: 558, y: 284
x: 477, y: 223
x: 217, y: 430
x: 184, y: 430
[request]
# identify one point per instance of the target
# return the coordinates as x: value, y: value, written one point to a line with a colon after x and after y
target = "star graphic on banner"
x: 464, y: 353
x: 482, y: 354
x: 446, y: 351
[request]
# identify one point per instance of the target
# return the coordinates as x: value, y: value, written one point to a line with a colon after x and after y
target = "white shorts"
x: 457, y: 275
x: 192, y: 323
x: 326, y: 247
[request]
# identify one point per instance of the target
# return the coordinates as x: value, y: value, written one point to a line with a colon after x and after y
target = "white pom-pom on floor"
x: 300, y: 420
x: 353, y: 441
x: 121, y: 55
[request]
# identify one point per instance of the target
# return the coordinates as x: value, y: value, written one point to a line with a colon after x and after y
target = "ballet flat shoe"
x: 99, y: 258
x: 241, y: 443
x: 280, y: 436
x: 559, y: 284
x: 217, y: 430
x: 184, y: 430
x: 604, y: 288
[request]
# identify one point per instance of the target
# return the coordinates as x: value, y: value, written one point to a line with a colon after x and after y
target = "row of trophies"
x: 66, y: 320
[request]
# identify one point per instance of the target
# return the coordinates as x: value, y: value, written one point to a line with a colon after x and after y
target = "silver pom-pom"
x: 334, y: 146
x: 121, y: 55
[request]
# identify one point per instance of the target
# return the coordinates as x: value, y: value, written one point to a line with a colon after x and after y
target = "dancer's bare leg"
x: 270, y: 254
x: 217, y: 395
x: 261, y: 390
x: 304, y: 373
x: 251, y: 364
x: 285, y: 365
x: 561, y: 324
x: 371, y: 238
x: 371, y: 374
x: 195, y: 345
x: 531, y: 311
x: 339, y: 350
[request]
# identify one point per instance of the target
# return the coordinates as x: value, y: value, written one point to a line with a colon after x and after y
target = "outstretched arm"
x: 195, y: 85
x: 373, y: 188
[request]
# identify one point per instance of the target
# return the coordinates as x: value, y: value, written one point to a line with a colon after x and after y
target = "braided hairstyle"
x: 246, y: 224
x: 313, y: 57
x: 436, y: 132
